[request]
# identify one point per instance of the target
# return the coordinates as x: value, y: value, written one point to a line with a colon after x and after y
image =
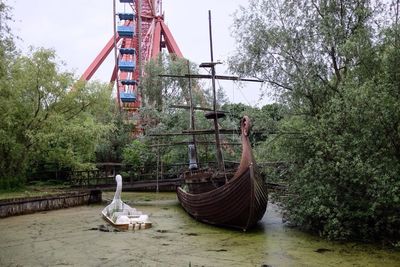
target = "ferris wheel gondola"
x: 139, y: 36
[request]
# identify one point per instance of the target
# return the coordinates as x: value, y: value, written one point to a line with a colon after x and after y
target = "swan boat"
x: 122, y: 216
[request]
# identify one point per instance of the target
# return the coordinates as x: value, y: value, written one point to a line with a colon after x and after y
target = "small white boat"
x: 121, y: 215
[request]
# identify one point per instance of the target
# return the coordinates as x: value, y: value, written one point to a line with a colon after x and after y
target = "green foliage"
x: 139, y: 155
x: 160, y: 91
x: 335, y: 68
x: 110, y: 148
x: 264, y: 120
x: 7, y: 45
x: 152, y: 84
x: 302, y: 49
x: 347, y: 184
x: 46, y: 118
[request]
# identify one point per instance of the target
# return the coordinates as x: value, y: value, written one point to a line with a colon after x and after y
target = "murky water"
x: 70, y: 237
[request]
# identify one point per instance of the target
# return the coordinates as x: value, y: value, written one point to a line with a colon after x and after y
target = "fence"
x: 105, y: 174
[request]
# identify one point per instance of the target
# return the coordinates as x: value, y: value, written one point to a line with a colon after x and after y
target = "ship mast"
x: 220, y: 160
x: 214, y: 114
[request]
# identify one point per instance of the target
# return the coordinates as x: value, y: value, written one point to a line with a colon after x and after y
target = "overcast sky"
x: 79, y: 29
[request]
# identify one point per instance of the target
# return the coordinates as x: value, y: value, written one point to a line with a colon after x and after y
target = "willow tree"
x: 47, y: 118
x: 161, y: 90
x: 333, y: 63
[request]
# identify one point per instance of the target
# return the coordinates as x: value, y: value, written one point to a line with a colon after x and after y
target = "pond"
x: 79, y: 237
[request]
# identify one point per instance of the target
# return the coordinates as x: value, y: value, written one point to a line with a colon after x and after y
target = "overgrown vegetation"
x: 335, y: 66
x: 45, y: 116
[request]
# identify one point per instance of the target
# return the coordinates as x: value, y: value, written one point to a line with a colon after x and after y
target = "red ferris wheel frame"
x: 152, y: 34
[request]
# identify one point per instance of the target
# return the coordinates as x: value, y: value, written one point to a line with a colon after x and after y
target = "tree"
x: 110, y: 149
x: 302, y: 49
x: 47, y: 117
x: 334, y: 64
x: 139, y: 156
x: 160, y: 91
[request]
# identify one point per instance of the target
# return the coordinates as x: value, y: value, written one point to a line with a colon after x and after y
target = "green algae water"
x: 79, y: 237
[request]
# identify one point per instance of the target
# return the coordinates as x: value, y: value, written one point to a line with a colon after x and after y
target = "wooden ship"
x: 235, y: 198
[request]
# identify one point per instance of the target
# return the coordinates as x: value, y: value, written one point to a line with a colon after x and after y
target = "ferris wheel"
x: 140, y: 34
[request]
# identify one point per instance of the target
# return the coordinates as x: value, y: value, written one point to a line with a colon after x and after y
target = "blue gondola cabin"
x: 128, y: 82
x: 126, y: 16
x: 125, y: 31
x: 128, y: 66
x: 127, y: 51
x: 127, y: 97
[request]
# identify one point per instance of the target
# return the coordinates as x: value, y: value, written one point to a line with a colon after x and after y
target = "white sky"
x: 79, y: 29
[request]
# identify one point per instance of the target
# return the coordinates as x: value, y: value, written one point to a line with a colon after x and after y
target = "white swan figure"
x: 121, y: 214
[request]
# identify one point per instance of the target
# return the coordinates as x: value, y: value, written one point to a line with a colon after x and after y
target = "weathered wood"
x: 211, y: 131
x: 218, y: 77
x: 198, y: 142
x: 198, y: 132
x: 197, y: 108
x: 235, y: 199
x: 226, y: 131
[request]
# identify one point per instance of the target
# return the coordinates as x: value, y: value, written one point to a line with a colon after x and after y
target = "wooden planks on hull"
x: 240, y: 203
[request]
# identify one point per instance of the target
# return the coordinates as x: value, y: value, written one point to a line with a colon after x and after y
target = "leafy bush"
x: 341, y: 84
x: 140, y: 156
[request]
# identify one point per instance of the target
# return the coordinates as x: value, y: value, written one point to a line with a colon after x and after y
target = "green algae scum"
x: 79, y: 237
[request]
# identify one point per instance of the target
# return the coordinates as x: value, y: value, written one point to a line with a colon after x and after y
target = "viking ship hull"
x: 240, y: 203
